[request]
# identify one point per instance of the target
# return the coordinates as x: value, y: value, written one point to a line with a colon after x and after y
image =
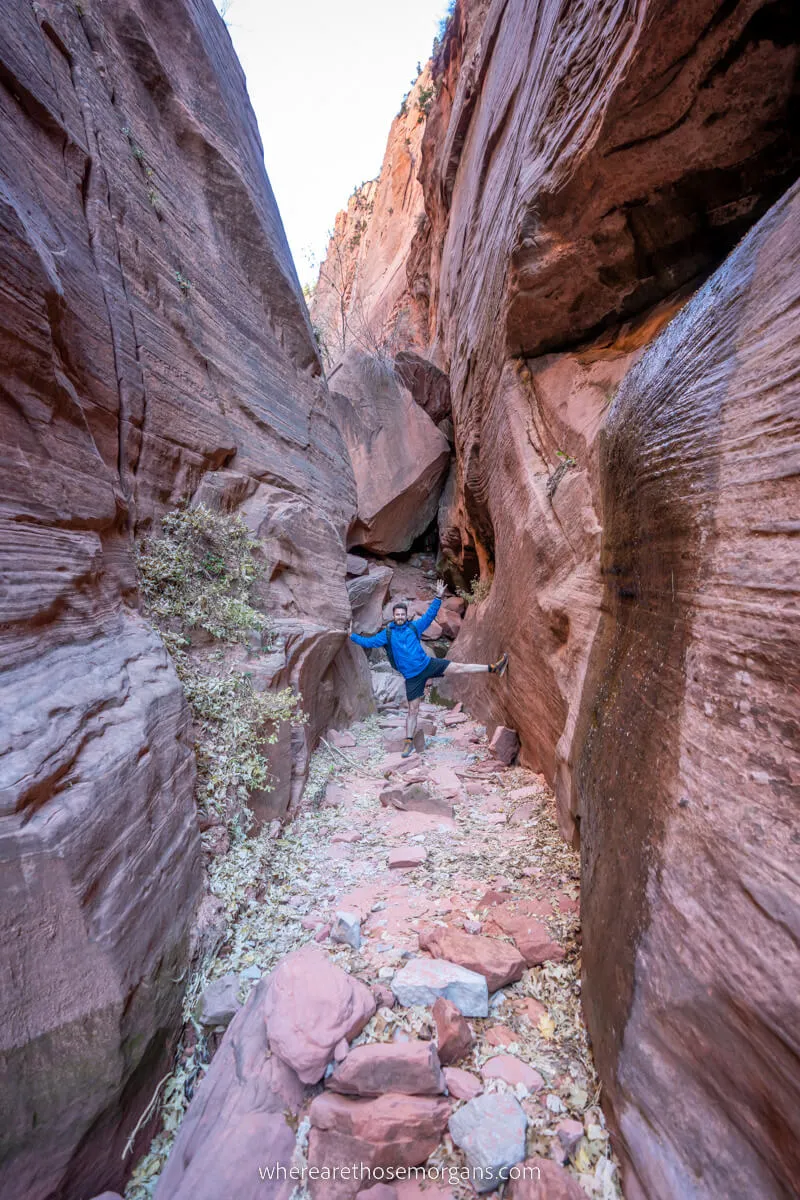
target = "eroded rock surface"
x: 585, y: 172
x: 156, y: 350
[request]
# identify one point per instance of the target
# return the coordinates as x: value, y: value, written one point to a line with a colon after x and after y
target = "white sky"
x: 325, y: 79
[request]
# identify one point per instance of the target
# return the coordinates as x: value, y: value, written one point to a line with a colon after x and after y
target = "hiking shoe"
x: 408, y: 748
x: 499, y: 667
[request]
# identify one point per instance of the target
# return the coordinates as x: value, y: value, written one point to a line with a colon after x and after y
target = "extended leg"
x: 495, y: 668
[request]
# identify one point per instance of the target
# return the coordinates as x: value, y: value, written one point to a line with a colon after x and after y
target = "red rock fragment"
x: 497, y: 961
x: 410, y: 1067
x: 453, y: 1034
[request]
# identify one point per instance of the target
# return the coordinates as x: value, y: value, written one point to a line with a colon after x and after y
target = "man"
x: 407, y: 655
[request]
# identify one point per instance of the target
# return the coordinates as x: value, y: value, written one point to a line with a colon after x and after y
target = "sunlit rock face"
x: 156, y: 349
x: 587, y: 174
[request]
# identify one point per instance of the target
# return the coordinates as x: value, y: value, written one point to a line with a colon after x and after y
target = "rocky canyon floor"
x: 483, y: 879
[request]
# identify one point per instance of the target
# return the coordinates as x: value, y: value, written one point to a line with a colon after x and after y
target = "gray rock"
x: 424, y: 980
x: 219, y: 1002
x: 356, y: 565
x: 347, y: 929
x: 491, y: 1131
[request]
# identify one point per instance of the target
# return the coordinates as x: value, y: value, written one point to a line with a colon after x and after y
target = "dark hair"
x: 400, y: 604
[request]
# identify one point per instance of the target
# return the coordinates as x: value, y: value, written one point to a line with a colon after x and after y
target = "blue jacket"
x: 407, y: 649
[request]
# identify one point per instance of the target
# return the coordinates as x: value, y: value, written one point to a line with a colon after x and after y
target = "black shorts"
x: 415, y: 686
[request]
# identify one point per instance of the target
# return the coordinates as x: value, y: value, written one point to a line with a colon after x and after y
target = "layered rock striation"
x: 156, y: 350
x: 621, y: 493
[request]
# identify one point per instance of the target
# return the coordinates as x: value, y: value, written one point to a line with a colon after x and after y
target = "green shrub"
x: 198, y: 573
x: 478, y: 591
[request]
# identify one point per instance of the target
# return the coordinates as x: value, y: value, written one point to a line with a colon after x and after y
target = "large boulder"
x: 240, y: 1119
x: 399, y: 457
x: 310, y: 1005
x: 367, y: 594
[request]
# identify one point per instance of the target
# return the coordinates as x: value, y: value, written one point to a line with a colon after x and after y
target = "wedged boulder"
x: 408, y: 1067
x: 399, y: 457
x: 429, y: 386
x: 239, y: 1118
x: 367, y: 596
x: 310, y: 1005
x: 356, y: 565
x: 498, y: 962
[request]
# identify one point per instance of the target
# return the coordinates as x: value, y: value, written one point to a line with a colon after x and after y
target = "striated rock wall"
x: 687, y: 753
x: 585, y: 170
x: 156, y: 349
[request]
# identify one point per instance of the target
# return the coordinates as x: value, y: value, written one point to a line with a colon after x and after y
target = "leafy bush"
x: 198, y: 573
x: 478, y: 591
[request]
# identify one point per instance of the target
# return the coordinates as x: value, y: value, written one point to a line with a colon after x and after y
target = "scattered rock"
x: 453, y: 1034
x: 384, y: 996
x: 504, y: 744
x: 371, y: 1070
x: 407, y: 856
x: 310, y: 1005
x: 219, y: 1002
x: 512, y: 1070
x: 491, y: 1131
x: 415, y: 798
x: 524, y: 793
x: 569, y: 1135
x: 500, y: 1035
x: 531, y: 937
x: 347, y: 929
x: 393, y: 743
x: 347, y: 838
x: 532, y: 1010
x: 423, y: 980
x: 390, y: 1131
x: 543, y: 1179
x: 433, y: 632
x: 498, y: 962
x: 462, y: 1085
x: 455, y: 718
x: 343, y: 739
x: 334, y: 795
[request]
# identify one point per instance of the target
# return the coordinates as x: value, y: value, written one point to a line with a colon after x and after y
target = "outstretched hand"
x: 441, y: 588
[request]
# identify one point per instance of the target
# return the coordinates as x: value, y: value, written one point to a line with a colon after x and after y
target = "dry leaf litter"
x: 269, y: 885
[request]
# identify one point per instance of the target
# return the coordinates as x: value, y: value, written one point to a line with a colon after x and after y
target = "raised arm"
x: 377, y: 639
x: 428, y: 617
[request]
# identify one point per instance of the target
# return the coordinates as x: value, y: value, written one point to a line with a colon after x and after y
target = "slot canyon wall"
x: 621, y: 372
x: 156, y: 350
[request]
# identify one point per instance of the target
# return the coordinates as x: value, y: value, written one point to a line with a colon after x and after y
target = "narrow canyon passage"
x: 450, y: 850
x: 546, y: 357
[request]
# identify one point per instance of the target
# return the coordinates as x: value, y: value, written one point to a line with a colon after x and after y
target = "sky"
x: 325, y: 79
